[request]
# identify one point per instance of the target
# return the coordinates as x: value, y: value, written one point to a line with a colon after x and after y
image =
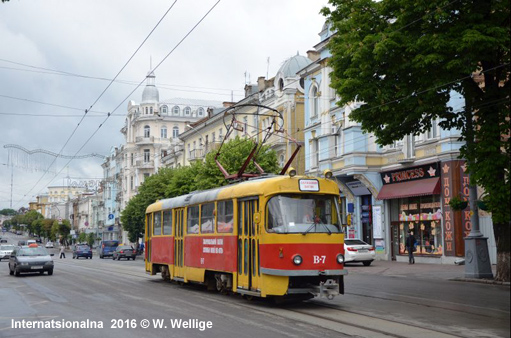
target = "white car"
x: 5, y: 251
x: 49, y: 245
x: 356, y: 250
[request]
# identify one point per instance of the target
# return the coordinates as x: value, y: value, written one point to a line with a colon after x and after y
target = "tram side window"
x: 225, y: 217
x: 207, y: 218
x: 193, y: 220
x: 167, y: 222
x: 157, y: 223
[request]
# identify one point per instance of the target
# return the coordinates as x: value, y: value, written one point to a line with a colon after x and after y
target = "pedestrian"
x: 410, y: 245
x: 62, y: 253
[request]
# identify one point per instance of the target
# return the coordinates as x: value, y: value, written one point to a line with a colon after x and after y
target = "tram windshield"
x: 304, y: 214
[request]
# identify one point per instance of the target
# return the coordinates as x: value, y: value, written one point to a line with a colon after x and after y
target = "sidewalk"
x: 424, y: 271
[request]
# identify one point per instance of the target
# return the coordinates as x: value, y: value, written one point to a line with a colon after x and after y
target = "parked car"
x: 30, y: 259
x: 3, y: 240
x: 5, y: 251
x: 31, y: 241
x: 22, y: 243
x: 82, y: 251
x: 356, y: 250
x: 38, y: 240
x: 124, y: 251
x: 107, y: 248
x: 49, y: 245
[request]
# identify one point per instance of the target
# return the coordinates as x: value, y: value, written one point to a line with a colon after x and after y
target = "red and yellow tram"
x: 265, y: 237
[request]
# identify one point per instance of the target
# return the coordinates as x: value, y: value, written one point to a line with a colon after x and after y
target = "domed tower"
x: 150, y: 96
x: 286, y: 76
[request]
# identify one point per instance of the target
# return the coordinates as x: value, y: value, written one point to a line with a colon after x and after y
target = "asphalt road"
x: 120, y: 296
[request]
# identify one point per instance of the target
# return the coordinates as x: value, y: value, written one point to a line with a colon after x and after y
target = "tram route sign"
x: 309, y: 185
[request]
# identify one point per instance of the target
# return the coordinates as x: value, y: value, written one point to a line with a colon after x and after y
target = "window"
x: 151, y: 110
x: 187, y: 110
x: 200, y: 112
x: 314, y: 101
x: 149, y: 222
x: 213, y: 137
x: 165, y: 110
x: 175, y: 132
x: 193, y: 220
x: 281, y: 84
x: 433, y: 132
x: 207, y: 218
x: 167, y: 222
x: 245, y: 124
x: 146, y: 111
x: 147, y: 131
x: 146, y: 175
x: 288, y: 213
x: 131, y: 182
x: 225, y: 217
x: 147, y: 155
x: 132, y: 158
x: 163, y: 132
x: 175, y: 110
x: 281, y: 160
x: 157, y: 223
x: 220, y: 134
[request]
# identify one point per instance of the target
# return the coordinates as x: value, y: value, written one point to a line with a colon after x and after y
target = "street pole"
x: 477, y: 258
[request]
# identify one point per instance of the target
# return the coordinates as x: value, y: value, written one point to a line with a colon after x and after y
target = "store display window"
x: 423, y: 216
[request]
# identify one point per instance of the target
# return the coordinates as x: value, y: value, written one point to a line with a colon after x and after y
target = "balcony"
x: 212, y: 146
x: 145, y: 165
x: 196, y: 154
x: 139, y: 140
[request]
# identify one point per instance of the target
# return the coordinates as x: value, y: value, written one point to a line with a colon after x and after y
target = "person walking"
x: 62, y: 253
x: 410, y: 245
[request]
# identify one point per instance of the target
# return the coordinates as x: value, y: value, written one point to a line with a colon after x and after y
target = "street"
x: 120, y: 296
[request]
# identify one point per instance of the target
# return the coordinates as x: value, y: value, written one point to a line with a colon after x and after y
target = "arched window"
x: 146, y: 110
x: 175, y: 110
x: 187, y: 110
x: 314, y: 101
x: 281, y: 84
x: 147, y: 131
x: 164, y: 132
x: 200, y: 112
x: 164, y: 110
x: 151, y: 110
x: 175, y: 132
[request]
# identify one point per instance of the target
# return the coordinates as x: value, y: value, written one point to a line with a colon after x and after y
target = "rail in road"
x: 327, y: 315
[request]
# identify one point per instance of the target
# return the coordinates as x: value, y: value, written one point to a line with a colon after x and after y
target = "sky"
x: 58, y: 57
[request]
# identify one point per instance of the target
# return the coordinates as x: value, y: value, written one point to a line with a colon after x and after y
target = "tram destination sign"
x: 309, y: 185
x: 411, y: 174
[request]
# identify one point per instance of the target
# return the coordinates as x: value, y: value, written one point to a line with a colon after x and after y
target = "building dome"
x: 150, y: 93
x: 292, y: 65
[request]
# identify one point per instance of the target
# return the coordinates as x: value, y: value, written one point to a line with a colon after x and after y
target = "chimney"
x: 227, y: 104
x: 261, y: 85
x: 313, y: 55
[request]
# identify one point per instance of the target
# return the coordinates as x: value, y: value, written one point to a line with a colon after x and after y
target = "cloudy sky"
x: 57, y: 58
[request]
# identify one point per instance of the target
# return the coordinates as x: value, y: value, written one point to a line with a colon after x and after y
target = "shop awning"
x: 428, y: 186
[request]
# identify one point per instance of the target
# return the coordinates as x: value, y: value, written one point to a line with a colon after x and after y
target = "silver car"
x: 5, y: 251
x: 30, y: 259
x: 356, y: 250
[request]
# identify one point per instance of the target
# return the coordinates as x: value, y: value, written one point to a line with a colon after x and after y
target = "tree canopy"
x: 405, y: 60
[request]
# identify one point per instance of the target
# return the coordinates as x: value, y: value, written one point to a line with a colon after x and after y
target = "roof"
x: 292, y: 65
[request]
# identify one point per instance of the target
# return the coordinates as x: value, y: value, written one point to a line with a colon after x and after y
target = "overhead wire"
x: 129, y: 95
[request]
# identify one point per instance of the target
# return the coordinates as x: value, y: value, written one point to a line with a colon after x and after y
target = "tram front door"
x: 248, y: 245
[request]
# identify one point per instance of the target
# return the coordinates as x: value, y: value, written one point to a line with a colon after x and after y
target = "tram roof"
x: 252, y: 187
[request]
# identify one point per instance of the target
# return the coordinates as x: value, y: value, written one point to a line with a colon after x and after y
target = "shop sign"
x: 465, y: 192
x: 448, y: 213
x: 411, y: 174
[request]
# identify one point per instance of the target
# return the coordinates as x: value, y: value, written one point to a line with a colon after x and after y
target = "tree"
x: 91, y: 237
x: 82, y: 237
x: 8, y: 212
x: 403, y: 60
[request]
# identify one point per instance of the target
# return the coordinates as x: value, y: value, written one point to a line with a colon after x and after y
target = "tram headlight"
x: 291, y: 172
x: 328, y: 174
x: 340, y: 258
x: 297, y: 259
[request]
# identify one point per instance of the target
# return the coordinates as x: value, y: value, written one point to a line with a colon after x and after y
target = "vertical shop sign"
x: 448, y: 213
x: 465, y: 192
x: 377, y: 226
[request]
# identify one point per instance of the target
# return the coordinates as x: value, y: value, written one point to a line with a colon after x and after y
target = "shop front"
x: 417, y: 200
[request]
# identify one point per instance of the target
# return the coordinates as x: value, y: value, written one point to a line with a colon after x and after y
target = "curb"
x: 480, y: 281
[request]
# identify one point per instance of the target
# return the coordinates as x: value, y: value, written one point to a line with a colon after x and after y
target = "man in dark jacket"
x: 410, y: 245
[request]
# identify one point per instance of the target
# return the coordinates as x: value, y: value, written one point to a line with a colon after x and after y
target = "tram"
x: 276, y: 236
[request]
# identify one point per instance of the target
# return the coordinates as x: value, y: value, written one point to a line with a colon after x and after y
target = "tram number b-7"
x: 319, y: 259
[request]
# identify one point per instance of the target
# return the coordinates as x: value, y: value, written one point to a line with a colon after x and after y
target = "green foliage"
x: 406, y: 59
x: 91, y: 237
x: 82, y: 237
x: 8, y: 212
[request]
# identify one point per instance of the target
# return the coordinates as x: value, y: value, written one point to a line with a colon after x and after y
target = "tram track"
x: 336, y: 318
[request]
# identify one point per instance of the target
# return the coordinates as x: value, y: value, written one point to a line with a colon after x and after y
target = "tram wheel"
x: 165, y: 274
